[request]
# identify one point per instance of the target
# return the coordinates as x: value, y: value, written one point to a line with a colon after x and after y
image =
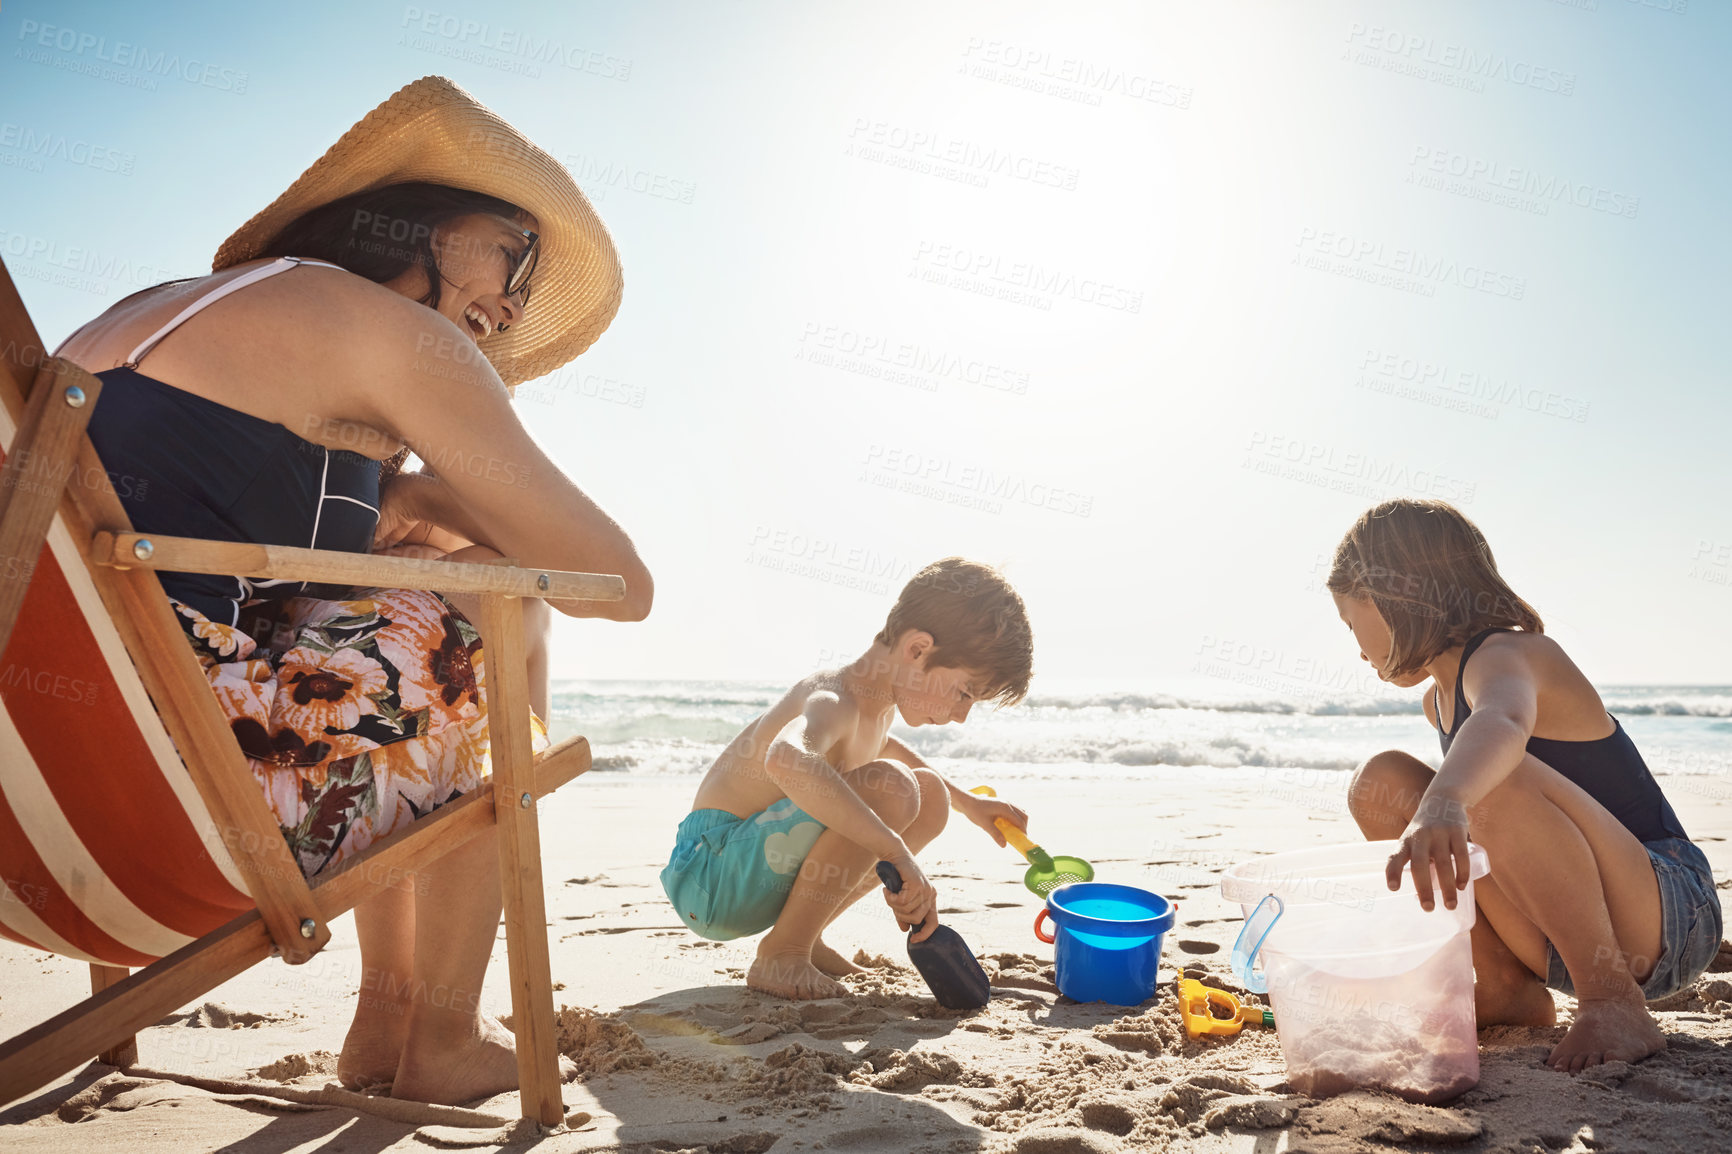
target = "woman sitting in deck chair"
x: 381, y: 305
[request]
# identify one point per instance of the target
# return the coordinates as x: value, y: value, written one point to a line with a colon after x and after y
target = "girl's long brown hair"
x: 1430, y: 573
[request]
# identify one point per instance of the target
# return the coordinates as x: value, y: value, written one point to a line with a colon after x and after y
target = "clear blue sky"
x: 1143, y: 301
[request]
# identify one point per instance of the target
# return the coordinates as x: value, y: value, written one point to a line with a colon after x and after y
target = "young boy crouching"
x: 792, y: 818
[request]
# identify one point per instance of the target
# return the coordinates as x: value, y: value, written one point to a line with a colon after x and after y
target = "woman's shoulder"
x: 334, y: 299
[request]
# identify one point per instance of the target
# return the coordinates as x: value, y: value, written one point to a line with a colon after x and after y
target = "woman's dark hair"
x: 380, y: 233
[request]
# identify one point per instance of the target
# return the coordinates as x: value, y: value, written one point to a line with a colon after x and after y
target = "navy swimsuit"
x: 196, y: 468
x: 1612, y: 772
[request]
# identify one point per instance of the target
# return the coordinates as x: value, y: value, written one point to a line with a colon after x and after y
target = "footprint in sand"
x: 320, y: 1062
x: 212, y: 1016
x: 1192, y: 946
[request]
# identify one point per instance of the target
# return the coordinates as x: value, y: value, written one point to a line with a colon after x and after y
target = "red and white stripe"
x: 107, y: 853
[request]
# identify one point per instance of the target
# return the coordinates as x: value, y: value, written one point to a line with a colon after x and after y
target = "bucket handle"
x: 1254, y: 980
x: 1038, y: 919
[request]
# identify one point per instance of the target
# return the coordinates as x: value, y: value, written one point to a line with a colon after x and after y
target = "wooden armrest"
x: 384, y: 863
x: 362, y: 570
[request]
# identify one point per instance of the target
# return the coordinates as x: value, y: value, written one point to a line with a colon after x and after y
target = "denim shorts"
x: 1690, y: 921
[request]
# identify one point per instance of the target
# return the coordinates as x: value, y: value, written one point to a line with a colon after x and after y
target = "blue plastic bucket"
x: 1107, y: 940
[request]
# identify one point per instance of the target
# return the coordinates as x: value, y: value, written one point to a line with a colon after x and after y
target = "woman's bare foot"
x: 1607, y: 1030
x: 791, y: 974
x: 1525, y: 1001
x: 478, y: 1062
x: 831, y: 962
x: 373, y: 1045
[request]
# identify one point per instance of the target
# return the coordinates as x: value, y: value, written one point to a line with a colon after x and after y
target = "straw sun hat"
x: 433, y: 131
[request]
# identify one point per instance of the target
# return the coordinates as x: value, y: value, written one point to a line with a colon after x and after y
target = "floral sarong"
x: 357, y: 717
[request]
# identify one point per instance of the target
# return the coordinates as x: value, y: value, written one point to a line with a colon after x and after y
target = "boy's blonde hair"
x: 1430, y: 573
x: 977, y: 622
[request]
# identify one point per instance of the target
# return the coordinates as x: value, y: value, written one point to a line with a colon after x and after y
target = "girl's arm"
x: 1504, y: 689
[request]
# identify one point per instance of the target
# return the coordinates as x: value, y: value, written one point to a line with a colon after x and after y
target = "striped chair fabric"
x: 107, y: 852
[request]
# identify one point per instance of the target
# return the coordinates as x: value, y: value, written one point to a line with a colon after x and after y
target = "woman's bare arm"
x: 422, y: 377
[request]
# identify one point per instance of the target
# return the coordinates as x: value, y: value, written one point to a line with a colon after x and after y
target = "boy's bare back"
x: 739, y: 781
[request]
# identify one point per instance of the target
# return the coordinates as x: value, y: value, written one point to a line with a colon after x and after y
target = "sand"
x: 675, y: 1054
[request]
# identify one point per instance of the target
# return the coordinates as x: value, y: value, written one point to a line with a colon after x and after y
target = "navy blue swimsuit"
x: 1610, y: 770
x: 186, y: 466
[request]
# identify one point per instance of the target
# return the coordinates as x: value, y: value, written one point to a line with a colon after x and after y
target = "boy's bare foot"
x: 831, y: 962
x: 479, y: 1063
x: 791, y: 974
x: 1607, y: 1030
x: 1522, y: 1002
x: 372, y: 1047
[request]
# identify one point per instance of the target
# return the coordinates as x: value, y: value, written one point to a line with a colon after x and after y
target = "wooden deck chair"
x: 133, y: 836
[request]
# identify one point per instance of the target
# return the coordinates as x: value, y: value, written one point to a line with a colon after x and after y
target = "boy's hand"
x: 916, y: 905
x: 985, y: 811
x: 1435, y: 838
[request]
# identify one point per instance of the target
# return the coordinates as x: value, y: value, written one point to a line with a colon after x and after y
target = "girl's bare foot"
x: 374, y: 1044
x: 476, y: 1062
x: 791, y: 974
x: 1607, y: 1030
x: 1525, y: 1001
x: 831, y: 962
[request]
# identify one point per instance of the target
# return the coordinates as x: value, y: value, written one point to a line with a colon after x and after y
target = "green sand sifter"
x: 1045, y: 872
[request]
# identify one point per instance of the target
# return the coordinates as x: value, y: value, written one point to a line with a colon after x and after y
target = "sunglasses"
x: 517, y: 280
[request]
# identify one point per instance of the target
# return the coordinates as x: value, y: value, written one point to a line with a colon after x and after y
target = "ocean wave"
x: 1225, y: 752
x: 1356, y: 705
x: 1668, y: 706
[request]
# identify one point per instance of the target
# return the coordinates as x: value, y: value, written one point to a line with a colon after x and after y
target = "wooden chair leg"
x: 507, y: 685
x: 34, y: 1058
x: 125, y: 1051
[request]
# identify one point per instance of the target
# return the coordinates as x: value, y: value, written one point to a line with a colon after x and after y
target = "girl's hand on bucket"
x: 1435, y: 839
x: 917, y: 903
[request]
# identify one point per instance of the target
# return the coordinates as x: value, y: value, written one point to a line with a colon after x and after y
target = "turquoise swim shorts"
x: 729, y: 876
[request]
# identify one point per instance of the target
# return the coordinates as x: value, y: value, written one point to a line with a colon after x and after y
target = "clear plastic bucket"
x: 1369, y: 990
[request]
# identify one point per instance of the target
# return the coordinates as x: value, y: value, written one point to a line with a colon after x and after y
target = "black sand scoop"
x: 944, y: 959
